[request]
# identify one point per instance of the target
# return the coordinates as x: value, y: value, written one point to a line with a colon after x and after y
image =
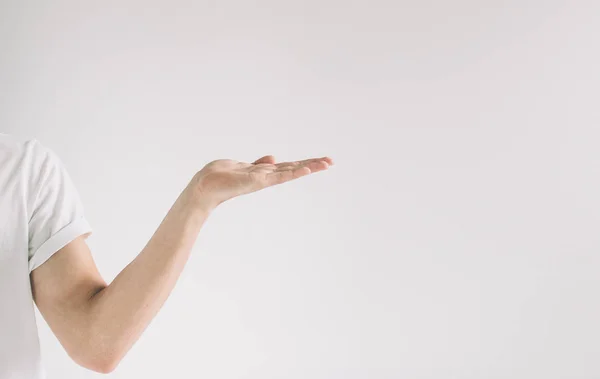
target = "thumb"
x: 266, y: 159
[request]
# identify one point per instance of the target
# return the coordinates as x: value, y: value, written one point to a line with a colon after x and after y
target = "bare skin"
x: 97, y: 323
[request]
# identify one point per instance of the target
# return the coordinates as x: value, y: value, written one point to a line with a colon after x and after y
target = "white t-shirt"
x: 40, y: 212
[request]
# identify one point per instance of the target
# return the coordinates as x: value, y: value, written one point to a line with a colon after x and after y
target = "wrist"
x: 199, y: 198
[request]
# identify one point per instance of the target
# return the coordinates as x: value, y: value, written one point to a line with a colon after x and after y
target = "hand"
x: 224, y: 179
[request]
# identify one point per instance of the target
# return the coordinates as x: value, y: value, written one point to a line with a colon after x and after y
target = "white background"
x: 458, y: 236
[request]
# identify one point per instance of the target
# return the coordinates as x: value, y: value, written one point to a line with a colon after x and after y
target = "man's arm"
x: 98, y: 323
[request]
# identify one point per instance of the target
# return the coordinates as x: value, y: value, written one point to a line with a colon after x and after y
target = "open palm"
x: 226, y: 178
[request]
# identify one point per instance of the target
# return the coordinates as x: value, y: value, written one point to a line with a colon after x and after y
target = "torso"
x: 19, y: 344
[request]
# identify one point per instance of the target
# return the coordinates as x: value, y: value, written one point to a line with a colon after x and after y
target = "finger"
x: 290, y: 173
x: 262, y: 168
x: 329, y: 160
x: 278, y: 177
x: 287, y: 165
x: 269, y: 159
x: 314, y: 166
x: 317, y: 166
x: 305, y: 162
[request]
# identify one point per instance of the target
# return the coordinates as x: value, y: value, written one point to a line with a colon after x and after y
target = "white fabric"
x: 40, y: 212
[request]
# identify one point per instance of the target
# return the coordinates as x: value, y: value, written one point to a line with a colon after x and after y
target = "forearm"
x: 120, y: 312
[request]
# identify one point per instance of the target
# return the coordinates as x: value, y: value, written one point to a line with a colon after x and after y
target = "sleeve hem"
x: 58, y: 241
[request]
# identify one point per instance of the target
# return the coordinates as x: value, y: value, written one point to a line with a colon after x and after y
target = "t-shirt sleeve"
x: 57, y: 216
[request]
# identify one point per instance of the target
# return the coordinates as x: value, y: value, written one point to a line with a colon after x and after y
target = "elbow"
x: 103, y: 366
x: 102, y: 362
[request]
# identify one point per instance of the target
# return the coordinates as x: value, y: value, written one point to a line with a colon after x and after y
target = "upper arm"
x: 62, y: 272
x: 62, y: 287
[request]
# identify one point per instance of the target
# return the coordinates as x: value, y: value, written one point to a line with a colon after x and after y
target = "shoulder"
x: 26, y: 155
x: 19, y: 148
x: 26, y: 164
